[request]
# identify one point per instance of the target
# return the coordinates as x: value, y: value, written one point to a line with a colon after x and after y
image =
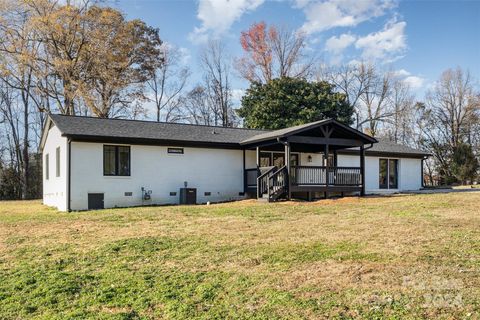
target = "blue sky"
x: 418, y: 39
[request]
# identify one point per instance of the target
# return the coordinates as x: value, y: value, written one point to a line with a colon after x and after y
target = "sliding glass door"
x: 388, y: 174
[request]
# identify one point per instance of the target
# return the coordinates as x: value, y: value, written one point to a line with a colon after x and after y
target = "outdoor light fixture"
x: 309, y: 158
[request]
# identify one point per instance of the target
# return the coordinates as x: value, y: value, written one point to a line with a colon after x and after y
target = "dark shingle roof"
x: 149, y: 130
x: 303, y: 127
x: 136, y: 130
x: 384, y: 146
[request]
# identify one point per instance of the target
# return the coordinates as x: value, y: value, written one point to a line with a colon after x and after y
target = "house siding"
x: 218, y: 171
x: 409, y: 172
x: 55, y: 188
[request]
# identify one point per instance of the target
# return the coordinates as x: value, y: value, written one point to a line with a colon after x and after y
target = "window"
x: 388, y: 174
x: 57, y: 162
x: 47, y: 173
x: 265, y: 159
x: 277, y: 158
x: 116, y: 160
x: 175, y: 150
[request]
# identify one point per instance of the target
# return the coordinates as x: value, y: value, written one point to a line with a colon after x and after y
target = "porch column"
x: 327, y: 170
x: 421, y: 173
x: 362, y: 169
x: 244, y: 175
x: 288, y: 164
x: 258, y: 170
x: 258, y: 158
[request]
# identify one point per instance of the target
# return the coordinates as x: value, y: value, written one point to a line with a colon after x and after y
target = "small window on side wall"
x: 175, y: 150
x: 57, y: 162
x: 47, y: 172
x: 116, y: 160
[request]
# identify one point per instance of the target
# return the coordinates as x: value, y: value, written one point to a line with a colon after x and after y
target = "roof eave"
x: 154, y: 142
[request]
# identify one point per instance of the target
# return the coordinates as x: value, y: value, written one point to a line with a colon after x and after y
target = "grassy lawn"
x: 410, y: 256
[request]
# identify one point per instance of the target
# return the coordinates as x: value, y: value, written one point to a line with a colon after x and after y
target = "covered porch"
x: 284, y: 171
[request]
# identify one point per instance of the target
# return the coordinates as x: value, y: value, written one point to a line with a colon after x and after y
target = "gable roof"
x: 282, y: 133
x: 149, y: 132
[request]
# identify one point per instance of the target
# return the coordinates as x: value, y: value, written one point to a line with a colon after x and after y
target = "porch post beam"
x: 362, y: 169
x: 244, y: 174
x: 257, y: 157
x: 325, y: 141
x: 287, y: 163
x: 327, y: 170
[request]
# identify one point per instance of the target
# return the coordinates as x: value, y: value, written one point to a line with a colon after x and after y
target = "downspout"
x: 422, y: 173
x: 69, y: 175
x: 369, y: 147
x: 362, y: 167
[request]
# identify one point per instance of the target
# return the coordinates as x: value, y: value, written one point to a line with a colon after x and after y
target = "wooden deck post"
x: 288, y: 164
x: 421, y: 173
x: 244, y: 175
x: 257, y: 157
x: 362, y: 169
x: 327, y: 171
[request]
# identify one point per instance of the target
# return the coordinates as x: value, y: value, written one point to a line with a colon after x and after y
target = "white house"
x: 92, y: 163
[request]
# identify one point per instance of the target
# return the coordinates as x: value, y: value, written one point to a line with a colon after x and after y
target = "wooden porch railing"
x: 346, y: 176
x: 251, y: 177
x: 262, y: 180
x: 317, y: 175
x: 273, y: 182
x: 277, y: 184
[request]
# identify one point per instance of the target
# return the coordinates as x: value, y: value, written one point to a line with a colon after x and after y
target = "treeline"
x: 88, y: 59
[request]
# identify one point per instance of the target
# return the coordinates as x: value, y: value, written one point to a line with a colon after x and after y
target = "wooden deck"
x: 302, y: 179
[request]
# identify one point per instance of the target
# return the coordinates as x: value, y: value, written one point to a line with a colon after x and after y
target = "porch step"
x: 263, y: 198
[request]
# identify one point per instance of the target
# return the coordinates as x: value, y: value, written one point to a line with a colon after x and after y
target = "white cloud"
x: 237, y: 95
x: 386, y: 45
x: 401, y: 73
x: 322, y: 15
x: 415, y: 82
x: 185, y: 54
x: 217, y: 16
x: 337, y: 44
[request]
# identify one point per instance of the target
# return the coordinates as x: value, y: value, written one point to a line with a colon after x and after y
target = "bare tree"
x: 350, y: 79
x: 20, y: 97
x: 272, y: 53
x: 216, y: 68
x: 454, y: 105
x: 167, y: 85
x: 403, y: 102
x: 451, y: 110
x: 198, y: 107
x: 368, y: 90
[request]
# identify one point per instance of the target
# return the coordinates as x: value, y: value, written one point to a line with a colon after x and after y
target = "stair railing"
x: 262, y: 181
x: 277, y: 184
